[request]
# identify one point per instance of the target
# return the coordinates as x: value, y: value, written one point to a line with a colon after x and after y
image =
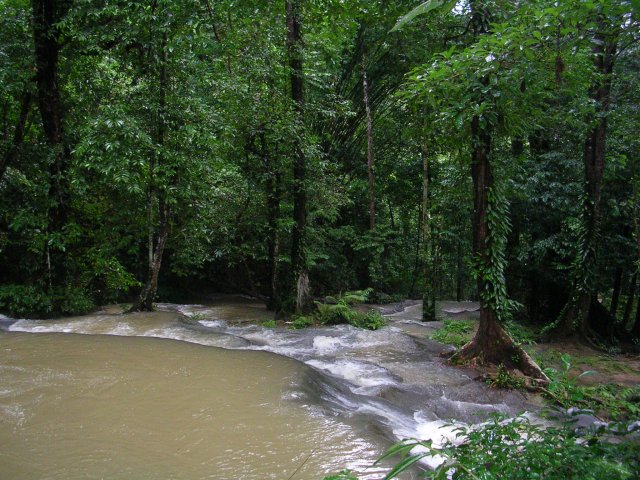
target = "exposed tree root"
x: 492, y: 347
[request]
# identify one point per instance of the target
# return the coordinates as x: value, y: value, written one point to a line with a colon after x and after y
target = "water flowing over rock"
x: 382, y: 385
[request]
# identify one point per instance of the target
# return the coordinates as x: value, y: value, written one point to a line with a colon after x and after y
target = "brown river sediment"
x: 195, y: 392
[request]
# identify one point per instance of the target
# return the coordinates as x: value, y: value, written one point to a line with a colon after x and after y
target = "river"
x: 199, y: 391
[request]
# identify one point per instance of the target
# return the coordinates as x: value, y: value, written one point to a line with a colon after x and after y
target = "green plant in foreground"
x: 504, y: 379
x: 614, y: 401
x: 269, y: 324
x: 301, y: 321
x: 564, y: 388
x: 518, y: 449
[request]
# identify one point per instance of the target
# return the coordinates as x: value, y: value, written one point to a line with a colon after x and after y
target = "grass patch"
x: 454, y: 332
x: 608, y: 400
x: 522, y: 334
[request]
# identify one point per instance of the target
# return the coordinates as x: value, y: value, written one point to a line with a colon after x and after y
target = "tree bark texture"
x: 635, y: 330
x: 298, y: 251
x: 459, y: 285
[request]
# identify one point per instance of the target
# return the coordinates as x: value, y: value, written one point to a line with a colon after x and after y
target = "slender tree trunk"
x: 615, y: 296
x: 628, y: 306
x: 635, y: 330
x: 13, y: 151
x: 575, y: 316
x: 417, y: 256
x: 298, y: 250
x: 367, y: 108
x: 459, y: 292
x: 46, y: 15
x: 428, y: 294
x: 274, y: 194
x: 144, y: 302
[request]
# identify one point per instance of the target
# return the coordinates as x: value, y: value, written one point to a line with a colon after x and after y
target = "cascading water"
x: 368, y: 388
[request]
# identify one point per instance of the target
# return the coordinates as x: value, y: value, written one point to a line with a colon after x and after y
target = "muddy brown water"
x: 79, y: 406
x: 195, y: 392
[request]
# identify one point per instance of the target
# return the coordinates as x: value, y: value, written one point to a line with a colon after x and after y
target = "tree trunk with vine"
x: 575, y: 316
x: 491, y: 344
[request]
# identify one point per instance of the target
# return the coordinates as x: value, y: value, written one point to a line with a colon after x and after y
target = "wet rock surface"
x: 393, y: 378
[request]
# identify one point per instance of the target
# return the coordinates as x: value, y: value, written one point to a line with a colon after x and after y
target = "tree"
x: 605, y: 23
x: 47, y: 14
x: 298, y: 250
x: 479, y: 102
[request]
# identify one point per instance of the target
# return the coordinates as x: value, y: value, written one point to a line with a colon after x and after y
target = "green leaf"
x: 421, y: 9
x: 404, y: 465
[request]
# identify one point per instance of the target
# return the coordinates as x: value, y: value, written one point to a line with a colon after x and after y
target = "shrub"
x: 519, y: 449
x: 370, y: 320
x: 301, y: 321
x: 339, y: 311
x: 75, y: 301
x: 25, y: 301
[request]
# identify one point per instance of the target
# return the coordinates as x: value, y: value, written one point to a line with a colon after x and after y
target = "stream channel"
x: 199, y: 391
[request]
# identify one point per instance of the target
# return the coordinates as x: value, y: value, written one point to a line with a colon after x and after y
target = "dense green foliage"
x: 521, y: 449
x: 176, y: 132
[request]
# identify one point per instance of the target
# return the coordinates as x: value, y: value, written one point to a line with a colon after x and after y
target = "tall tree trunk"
x: 428, y: 294
x: 144, y: 302
x: 459, y: 285
x: 631, y: 294
x: 46, y: 15
x: 367, y: 108
x: 298, y: 249
x: 13, y: 151
x: 491, y: 343
x: 615, y: 296
x: 635, y: 330
x: 274, y: 194
x: 574, y: 318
